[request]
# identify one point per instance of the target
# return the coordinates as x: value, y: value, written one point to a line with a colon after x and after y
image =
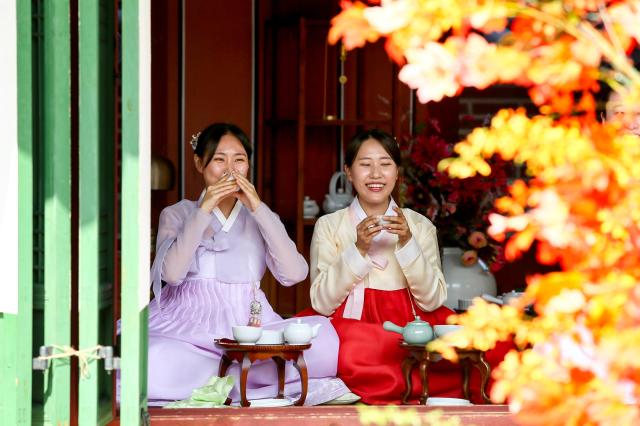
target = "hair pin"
x: 194, y: 140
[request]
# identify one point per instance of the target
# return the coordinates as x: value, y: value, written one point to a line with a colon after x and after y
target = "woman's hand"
x: 366, y: 230
x: 398, y: 225
x: 216, y: 193
x: 247, y: 194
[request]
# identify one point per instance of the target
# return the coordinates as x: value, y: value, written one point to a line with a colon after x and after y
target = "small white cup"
x: 443, y: 329
x: 382, y: 221
x: 246, y: 335
x: 271, y: 337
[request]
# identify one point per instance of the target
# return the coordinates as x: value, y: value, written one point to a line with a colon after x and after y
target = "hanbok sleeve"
x: 177, y: 241
x: 420, y: 263
x: 282, y: 257
x: 334, y: 272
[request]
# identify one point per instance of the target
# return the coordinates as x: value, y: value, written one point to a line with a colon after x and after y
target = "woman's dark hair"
x: 209, y: 139
x: 387, y: 141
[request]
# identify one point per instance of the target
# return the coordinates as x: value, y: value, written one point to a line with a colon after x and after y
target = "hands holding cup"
x: 373, y: 225
x: 366, y: 230
x: 231, y: 184
x: 398, y: 225
x: 247, y: 193
x: 216, y: 193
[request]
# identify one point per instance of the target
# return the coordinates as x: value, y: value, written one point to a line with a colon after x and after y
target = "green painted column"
x: 56, y: 134
x: 15, y: 329
x: 96, y: 162
x: 135, y: 207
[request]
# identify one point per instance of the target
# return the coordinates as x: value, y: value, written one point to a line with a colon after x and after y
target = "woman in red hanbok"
x: 373, y: 262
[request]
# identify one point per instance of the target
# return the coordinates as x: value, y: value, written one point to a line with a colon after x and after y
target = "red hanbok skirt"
x: 370, y: 359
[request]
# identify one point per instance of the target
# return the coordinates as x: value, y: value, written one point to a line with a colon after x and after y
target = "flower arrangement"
x: 577, y: 362
x: 459, y: 208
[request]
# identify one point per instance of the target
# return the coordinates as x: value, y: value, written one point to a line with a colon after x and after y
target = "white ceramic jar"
x: 310, y: 208
x: 464, y: 282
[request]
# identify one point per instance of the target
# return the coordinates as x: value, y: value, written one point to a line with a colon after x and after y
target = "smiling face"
x: 230, y: 156
x: 626, y: 115
x: 373, y: 173
x: 629, y: 120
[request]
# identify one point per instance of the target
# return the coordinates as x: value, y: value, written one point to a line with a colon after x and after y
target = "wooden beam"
x: 479, y: 415
x: 96, y: 158
x: 136, y: 193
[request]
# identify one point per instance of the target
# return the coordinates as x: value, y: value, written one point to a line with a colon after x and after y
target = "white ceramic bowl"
x: 443, y: 329
x: 246, y: 334
x: 271, y: 337
x: 448, y: 401
x: 507, y: 298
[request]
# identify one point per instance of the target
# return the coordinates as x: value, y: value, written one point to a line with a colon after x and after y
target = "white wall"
x: 9, y: 158
x: 144, y: 159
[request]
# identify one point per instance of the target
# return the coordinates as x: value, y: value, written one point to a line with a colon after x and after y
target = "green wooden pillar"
x: 15, y: 328
x: 96, y: 160
x: 56, y: 138
x: 135, y: 207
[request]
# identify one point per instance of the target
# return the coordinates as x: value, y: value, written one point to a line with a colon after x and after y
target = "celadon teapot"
x: 299, y: 333
x: 416, y: 332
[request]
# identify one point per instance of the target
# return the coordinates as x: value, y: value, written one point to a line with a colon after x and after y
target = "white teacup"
x: 382, y: 221
x: 443, y: 329
x: 271, y: 337
x: 246, y: 335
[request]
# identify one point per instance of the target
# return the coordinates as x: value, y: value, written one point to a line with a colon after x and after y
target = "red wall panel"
x: 217, y: 72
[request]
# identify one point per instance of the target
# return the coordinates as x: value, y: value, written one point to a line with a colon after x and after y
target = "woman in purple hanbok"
x: 211, y: 254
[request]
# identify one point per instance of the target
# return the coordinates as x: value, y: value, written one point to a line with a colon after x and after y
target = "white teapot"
x: 299, y: 333
x: 337, y: 198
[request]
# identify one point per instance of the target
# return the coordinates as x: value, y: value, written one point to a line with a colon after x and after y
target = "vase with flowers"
x: 459, y: 209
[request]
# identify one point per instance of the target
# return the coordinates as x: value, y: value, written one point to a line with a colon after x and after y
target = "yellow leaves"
x: 404, y: 417
x: 554, y: 64
x: 390, y: 414
x: 543, y: 288
x: 511, y: 63
x: 538, y: 142
x: 583, y: 349
x: 559, y: 382
x: 582, y: 204
x: 585, y: 53
x: 483, y: 325
x: 627, y: 15
x: 352, y: 27
x: 606, y: 309
x: 430, y: 64
x: 519, y: 243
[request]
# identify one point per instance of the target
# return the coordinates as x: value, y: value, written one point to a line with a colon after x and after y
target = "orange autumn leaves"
x: 580, y: 203
x: 548, y: 48
x: 582, y: 206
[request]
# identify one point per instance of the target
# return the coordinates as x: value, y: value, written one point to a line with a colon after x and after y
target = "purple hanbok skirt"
x: 183, y: 355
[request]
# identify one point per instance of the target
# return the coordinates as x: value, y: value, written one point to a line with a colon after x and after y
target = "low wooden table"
x: 418, y: 354
x: 246, y: 355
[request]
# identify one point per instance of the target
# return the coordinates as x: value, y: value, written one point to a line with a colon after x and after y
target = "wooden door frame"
x: 135, y: 199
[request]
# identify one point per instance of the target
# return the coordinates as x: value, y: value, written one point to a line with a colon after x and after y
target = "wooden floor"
x: 479, y: 415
